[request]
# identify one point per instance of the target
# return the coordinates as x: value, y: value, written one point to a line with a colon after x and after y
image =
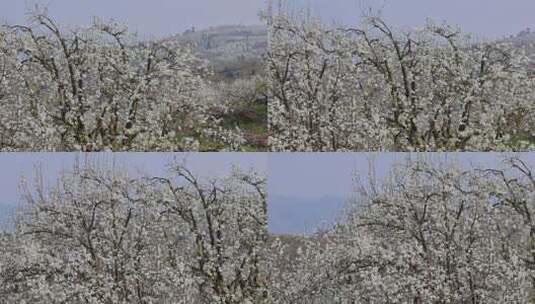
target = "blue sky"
x: 15, y: 166
x: 313, y: 175
x: 485, y: 18
x: 305, y: 190
x: 149, y: 18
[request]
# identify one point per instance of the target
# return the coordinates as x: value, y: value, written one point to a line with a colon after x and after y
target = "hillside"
x: 525, y: 40
x: 234, y: 54
x: 229, y: 48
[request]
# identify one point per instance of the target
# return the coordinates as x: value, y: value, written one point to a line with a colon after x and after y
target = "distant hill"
x: 232, y: 43
x: 525, y: 40
x: 524, y: 37
x: 230, y: 49
x: 236, y: 50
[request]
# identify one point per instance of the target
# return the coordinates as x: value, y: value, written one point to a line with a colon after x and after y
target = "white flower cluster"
x: 377, y: 88
x: 100, y: 236
x: 428, y: 234
x: 97, y: 88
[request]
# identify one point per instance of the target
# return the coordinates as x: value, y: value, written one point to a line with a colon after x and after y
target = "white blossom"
x: 377, y: 88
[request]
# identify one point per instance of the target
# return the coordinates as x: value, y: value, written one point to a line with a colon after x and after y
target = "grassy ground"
x: 521, y: 141
x: 251, y: 120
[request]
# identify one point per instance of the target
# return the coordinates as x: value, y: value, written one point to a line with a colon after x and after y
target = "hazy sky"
x: 310, y: 189
x: 152, y: 18
x: 15, y: 166
x: 304, y: 189
x: 314, y: 175
x: 485, y: 18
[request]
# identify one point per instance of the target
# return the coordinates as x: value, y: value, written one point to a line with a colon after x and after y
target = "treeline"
x: 100, y: 236
x: 427, y: 233
x: 98, y: 88
x: 376, y: 87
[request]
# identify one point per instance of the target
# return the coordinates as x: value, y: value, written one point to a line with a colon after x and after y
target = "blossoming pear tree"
x: 427, y: 233
x: 102, y: 236
x: 99, y: 88
x: 374, y: 87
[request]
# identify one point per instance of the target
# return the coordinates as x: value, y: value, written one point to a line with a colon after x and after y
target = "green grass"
x: 251, y: 120
x: 255, y: 121
x: 521, y: 140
